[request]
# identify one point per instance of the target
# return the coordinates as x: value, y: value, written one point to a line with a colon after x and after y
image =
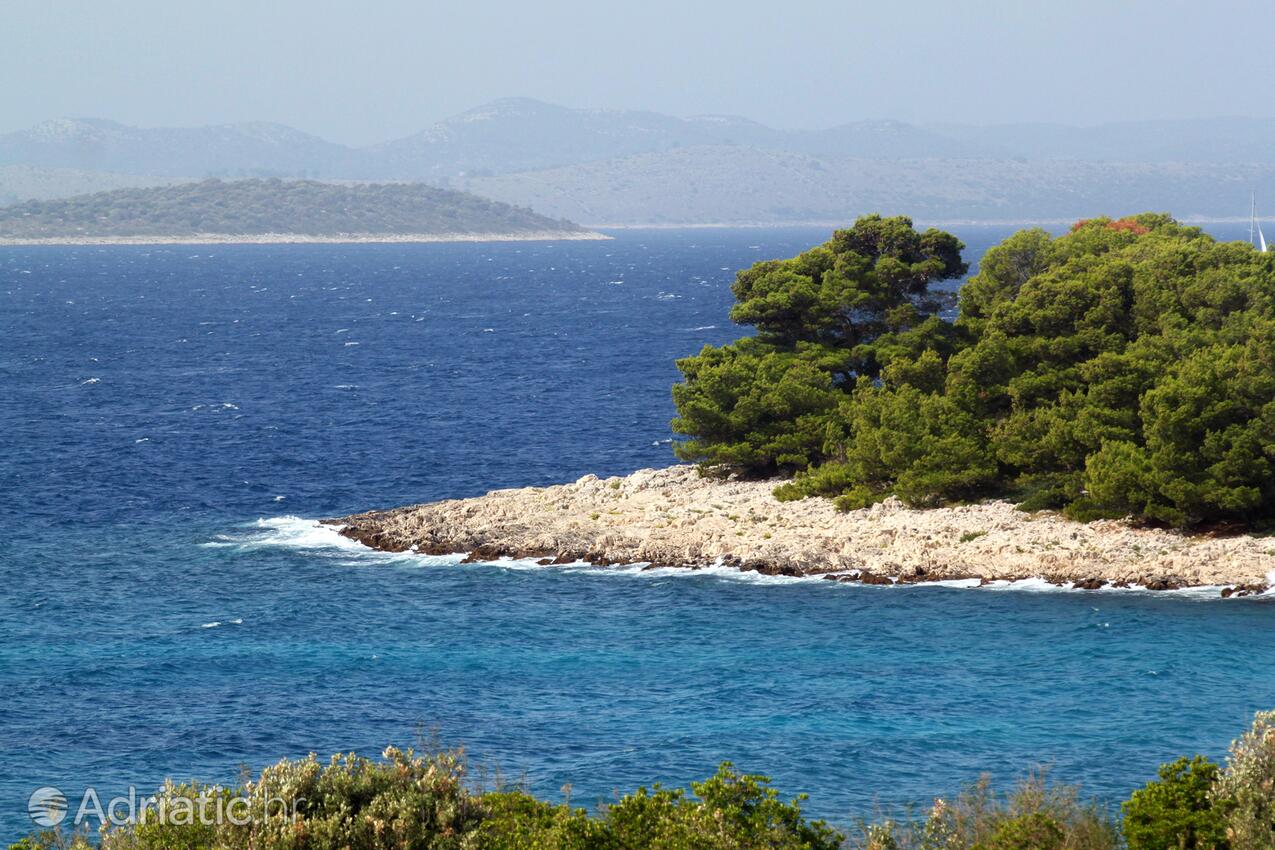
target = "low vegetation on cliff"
x: 408, y: 801
x: 297, y: 207
x: 1126, y: 368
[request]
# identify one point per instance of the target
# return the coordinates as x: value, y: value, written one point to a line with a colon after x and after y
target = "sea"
x: 175, y: 419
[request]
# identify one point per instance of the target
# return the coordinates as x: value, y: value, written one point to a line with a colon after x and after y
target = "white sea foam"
x: 311, y: 536
x: 294, y: 532
x: 1029, y: 585
x: 725, y: 573
x: 958, y: 583
x: 1040, y: 585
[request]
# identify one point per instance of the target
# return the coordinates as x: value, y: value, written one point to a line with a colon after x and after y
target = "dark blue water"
x: 172, y: 419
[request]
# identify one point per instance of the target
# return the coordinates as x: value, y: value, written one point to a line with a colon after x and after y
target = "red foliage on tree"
x: 1122, y: 224
x: 1130, y: 225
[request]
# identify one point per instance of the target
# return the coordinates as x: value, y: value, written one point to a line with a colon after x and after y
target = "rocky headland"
x: 675, y: 517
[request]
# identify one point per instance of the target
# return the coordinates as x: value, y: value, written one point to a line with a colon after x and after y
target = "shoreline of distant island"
x: 304, y: 239
x: 677, y: 518
x: 834, y: 224
x: 276, y: 212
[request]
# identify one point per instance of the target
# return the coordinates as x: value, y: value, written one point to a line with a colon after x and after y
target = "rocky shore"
x: 675, y: 517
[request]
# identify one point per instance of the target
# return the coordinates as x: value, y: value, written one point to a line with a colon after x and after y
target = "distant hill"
x: 33, y: 182
x: 257, y: 149
x: 748, y: 186
x: 1200, y: 140
x: 254, y: 207
x: 627, y: 166
x: 519, y: 134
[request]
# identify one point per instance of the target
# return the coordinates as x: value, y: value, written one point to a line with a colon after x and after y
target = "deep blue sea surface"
x: 173, y: 419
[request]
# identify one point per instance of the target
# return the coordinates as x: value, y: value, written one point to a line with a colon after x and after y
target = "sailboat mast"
x: 1255, y: 227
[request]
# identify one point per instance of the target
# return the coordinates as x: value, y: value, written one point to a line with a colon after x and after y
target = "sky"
x: 368, y: 71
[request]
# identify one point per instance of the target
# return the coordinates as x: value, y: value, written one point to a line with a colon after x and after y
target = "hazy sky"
x: 366, y: 71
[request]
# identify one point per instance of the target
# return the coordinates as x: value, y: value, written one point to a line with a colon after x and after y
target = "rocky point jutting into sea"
x: 676, y: 517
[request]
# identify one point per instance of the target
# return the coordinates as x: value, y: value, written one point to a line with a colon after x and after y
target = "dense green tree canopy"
x: 1125, y: 368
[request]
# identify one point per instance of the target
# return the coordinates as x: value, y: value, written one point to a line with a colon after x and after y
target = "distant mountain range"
x: 636, y: 167
x: 229, y: 150
x: 736, y: 185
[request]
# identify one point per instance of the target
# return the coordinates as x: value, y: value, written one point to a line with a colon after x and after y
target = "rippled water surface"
x: 173, y: 420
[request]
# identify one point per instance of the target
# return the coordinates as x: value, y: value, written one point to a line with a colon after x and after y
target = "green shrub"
x: 179, y: 829
x: 732, y: 811
x: 1245, y: 789
x: 515, y: 820
x: 407, y: 801
x: 54, y: 839
x: 1175, y: 811
x: 1035, y: 815
x: 1033, y: 831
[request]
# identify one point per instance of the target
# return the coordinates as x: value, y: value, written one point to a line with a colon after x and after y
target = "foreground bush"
x: 1124, y: 369
x: 405, y: 801
x: 728, y: 811
x: 413, y: 802
x: 1246, y: 788
x: 1176, y: 810
x: 1034, y: 816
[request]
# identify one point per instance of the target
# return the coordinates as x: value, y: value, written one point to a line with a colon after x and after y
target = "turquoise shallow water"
x: 175, y: 419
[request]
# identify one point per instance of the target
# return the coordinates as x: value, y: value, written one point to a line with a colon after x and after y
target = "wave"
x: 1040, y: 585
x: 294, y: 532
x: 315, y: 538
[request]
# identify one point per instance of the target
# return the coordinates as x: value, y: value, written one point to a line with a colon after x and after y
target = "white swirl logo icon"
x: 47, y: 806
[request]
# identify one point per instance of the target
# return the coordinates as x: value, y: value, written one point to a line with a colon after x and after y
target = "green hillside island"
x: 1124, y: 369
x: 288, y: 208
